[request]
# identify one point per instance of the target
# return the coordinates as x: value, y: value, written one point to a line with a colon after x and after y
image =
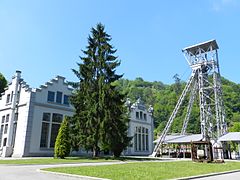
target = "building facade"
x: 140, y: 128
x: 30, y: 118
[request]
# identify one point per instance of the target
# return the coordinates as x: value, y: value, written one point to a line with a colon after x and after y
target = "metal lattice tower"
x: 204, y: 83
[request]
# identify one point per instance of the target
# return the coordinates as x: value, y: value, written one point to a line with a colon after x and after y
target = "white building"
x: 140, y: 128
x: 30, y: 118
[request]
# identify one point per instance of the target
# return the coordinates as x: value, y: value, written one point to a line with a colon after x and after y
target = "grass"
x: 149, y: 170
x: 54, y: 161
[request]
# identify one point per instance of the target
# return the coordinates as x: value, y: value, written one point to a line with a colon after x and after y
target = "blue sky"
x: 44, y: 38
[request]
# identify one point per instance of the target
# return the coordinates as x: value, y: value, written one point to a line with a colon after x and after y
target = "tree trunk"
x: 95, y: 151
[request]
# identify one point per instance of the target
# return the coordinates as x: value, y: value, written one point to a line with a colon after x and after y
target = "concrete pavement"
x: 31, y: 172
x: 228, y: 176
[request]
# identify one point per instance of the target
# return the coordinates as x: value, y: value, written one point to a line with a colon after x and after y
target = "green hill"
x: 164, y: 97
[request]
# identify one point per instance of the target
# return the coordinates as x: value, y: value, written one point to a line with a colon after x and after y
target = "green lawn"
x: 53, y: 161
x: 149, y: 170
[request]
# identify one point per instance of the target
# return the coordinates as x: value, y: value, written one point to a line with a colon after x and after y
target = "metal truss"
x: 204, y: 82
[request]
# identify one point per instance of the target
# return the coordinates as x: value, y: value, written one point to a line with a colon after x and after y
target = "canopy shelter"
x: 231, y: 136
x: 232, y: 151
x: 181, y: 139
x: 186, y: 139
x: 178, y: 146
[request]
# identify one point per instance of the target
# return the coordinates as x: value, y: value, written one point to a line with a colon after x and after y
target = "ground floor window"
x: 141, y: 141
x: 50, y: 126
x: 4, y: 127
x: 44, y: 134
x: 1, y: 133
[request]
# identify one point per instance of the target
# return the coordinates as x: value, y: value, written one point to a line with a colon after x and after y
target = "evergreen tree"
x: 114, y: 123
x: 3, y: 83
x: 177, y: 85
x: 99, y: 105
x: 62, y: 144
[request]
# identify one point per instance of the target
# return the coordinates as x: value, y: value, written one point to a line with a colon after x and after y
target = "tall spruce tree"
x: 100, y: 121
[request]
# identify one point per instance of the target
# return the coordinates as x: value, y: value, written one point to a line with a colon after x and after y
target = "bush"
x: 62, y: 144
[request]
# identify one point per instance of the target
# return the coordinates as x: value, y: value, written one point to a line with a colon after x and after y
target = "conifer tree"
x: 3, y: 83
x: 62, y: 144
x: 98, y: 104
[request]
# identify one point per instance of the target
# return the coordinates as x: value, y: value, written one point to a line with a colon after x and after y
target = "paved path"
x: 31, y: 172
x: 229, y: 176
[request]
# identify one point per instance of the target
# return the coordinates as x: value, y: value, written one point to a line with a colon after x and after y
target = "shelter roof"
x: 181, y: 138
x: 231, y: 136
x: 186, y: 139
x: 169, y: 137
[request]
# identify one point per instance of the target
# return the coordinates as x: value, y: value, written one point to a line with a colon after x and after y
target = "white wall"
x: 37, y: 127
x: 138, y: 122
x: 41, y: 105
x: 32, y: 104
x: 23, y: 116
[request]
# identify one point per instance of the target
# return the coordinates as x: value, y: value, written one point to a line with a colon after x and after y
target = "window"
x: 147, y: 141
x: 46, y: 117
x: 3, y: 119
x: 14, y: 133
x: 66, y: 100
x: 45, y: 130
x: 51, y: 96
x: 54, y: 133
x: 145, y: 116
x: 7, y: 118
x: 6, y: 129
x: 50, y: 127
x: 4, y: 141
x: 11, y: 96
x: 135, y: 140
x: 8, y: 98
x: 141, y: 115
x: 56, y: 121
x: 44, y: 135
x: 137, y: 115
x: 57, y: 118
x: 141, y: 141
x: 1, y: 133
x: 59, y: 97
x: 18, y: 97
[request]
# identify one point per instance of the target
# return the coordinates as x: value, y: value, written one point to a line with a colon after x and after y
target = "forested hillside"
x: 164, y: 97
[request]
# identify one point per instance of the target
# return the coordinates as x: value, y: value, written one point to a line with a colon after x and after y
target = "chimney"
x: 18, y: 74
